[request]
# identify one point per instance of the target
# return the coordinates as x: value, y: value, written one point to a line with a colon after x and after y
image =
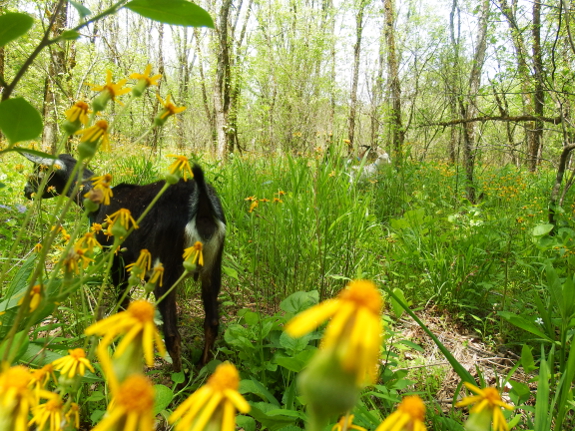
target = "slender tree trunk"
x: 237, y: 84
x: 222, y: 84
x: 154, y: 139
x: 454, y: 79
x: 394, y: 83
x: 207, y: 108
x: 53, y: 81
x: 469, y: 109
x: 356, y: 53
x: 523, y: 71
x: 536, y: 144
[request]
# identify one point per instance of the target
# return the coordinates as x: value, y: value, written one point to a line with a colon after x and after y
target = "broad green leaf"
x: 17, y: 348
x: 96, y: 396
x: 164, y: 397
x: 174, y: 12
x: 295, y: 363
x: 524, y: 324
x: 19, y: 120
x: 70, y: 35
x: 527, y: 359
x: 178, y: 377
x: 13, y: 25
x: 246, y: 423
x: 273, y: 423
x: 395, y: 307
x: 542, y: 229
x: 299, y: 301
x: 82, y: 10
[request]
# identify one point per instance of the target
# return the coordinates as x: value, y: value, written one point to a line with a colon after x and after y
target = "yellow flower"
x: 181, y: 167
x: 409, y: 416
x: 35, y: 297
x: 77, y: 254
x: 144, y: 80
x: 157, y: 274
x: 253, y: 206
x: 78, y: 112
x: 355, y: 330
x: 215, y: 403
x: 88, y: 241
x: 93, y: 134
x: 131, y: 408
x: 194, y: 254
x: 138, y: 327
x: 16, y: 398
x: 142, y: 265
x: 73, y: 416
x: 102, y: 191
x: 38, y: 248
x: 346, y: 423
x: 51, y: 411
x: 96, y: 228
x: 487, y: 400
x: 41, y: 376
x: 74, y: 364
x: 119, y: 222
x: 169, y: 110
x: 108, y: 91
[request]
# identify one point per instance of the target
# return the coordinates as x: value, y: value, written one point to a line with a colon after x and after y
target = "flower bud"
x: 71, y: 127
x: 119, y: 231
x: 140, y: 87
x: 328, y: 389
x: 87, y: 149
x: 90, y: 206
x: 99, y: 103
x: 172, y: 179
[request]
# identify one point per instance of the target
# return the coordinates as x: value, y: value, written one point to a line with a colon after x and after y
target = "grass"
x: 298, y: 224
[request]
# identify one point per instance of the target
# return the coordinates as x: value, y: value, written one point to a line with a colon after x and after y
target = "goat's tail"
x: 208, y: 204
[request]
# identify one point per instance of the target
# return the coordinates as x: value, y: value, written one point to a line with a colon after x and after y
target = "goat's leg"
x: 211, y: 283
x: 171, y: 334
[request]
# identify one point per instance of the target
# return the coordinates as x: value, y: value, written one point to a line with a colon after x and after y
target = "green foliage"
x: 174, y: 12
x: 19, y: 120
x: 13, y: 25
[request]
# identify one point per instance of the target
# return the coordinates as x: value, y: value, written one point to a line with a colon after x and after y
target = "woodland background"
x: 475, y: 82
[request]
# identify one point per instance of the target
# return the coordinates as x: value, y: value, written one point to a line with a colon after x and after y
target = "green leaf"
x: 19, y: 120
x: 524, y: 324
x: 14, y: 25
x: 70, y: 35
x: 96, y: 396
x: 299, y: 301
x: 18, y: 347
x: 542, y: 229
x: 174, y: 12
x: 82, y: 10
x: 395, y: 306
x: 178, y: 377
x: 246, y: 423
x: 164, y: 397
x: 527, y: 359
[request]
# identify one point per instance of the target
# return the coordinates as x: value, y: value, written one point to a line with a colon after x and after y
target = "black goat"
x: 187, y: 212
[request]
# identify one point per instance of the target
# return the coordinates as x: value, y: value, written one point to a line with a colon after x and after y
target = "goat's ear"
x: 46, y: 161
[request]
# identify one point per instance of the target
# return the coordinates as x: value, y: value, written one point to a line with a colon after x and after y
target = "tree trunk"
x: 536, y: 144
x: 222, y: 84
x: 53, y: 81
x: 394, y: 83
x: 356, y: 53
x: 523, y: 72
x: 469, y: 109
x: 157, y: 132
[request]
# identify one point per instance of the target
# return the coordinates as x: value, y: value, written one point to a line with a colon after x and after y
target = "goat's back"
x: 164, y: 230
